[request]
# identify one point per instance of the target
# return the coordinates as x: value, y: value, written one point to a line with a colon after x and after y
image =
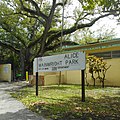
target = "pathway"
x: 10, y: 108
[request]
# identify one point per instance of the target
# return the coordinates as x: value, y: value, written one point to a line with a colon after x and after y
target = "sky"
x: 109, y: 24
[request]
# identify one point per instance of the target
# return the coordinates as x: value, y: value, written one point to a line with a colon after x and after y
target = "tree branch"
x: 57, y: 33
x: 8, y: 28
x: 33, y: 12
x: 61, y: 3
x: 47, y: 28
x: 58, y: 45
x: 52, y: 12
x: 9, y: 47
x: 32, y: 43
x: 32, y: 16
x: 76, y: 27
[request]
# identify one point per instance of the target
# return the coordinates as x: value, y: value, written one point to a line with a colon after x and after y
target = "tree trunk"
x: 22, y: 65
x: 93, y: 80
x: 103, y: 85
x: 22, y: 70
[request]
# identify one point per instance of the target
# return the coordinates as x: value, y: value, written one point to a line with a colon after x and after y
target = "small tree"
x: 97, y: 68
x: 102, y: 71
x: 91, y: 60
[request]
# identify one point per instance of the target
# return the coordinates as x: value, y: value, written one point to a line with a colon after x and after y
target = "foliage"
x: 87, y: 36
x: 35, y: 26
x: 106, y: 4
x: 64, y: 102
x: 97, y: 68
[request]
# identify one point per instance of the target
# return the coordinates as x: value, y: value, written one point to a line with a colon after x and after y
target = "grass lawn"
x: 64, y: 102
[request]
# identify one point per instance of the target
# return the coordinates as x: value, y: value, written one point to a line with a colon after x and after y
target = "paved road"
x: 10, y: 108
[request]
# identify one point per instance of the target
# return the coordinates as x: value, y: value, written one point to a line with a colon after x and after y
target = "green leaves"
x: 106, y: 5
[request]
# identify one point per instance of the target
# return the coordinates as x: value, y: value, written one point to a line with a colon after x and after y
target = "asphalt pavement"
x: 12, y: 109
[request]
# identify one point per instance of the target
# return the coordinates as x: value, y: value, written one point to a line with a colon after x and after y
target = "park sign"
x: 61, y: 62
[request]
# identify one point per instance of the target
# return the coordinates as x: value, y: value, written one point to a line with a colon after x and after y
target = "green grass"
x: 64, y: 102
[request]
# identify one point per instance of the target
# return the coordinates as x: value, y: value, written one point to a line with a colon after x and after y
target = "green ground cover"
x: 64, y: 102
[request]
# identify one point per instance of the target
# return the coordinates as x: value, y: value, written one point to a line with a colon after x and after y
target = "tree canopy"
x: 30, y: 28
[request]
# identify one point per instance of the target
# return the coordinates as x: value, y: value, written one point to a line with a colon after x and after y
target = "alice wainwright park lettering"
x: 72, y: 58
x: 49, y: 64
x: 69, y: 61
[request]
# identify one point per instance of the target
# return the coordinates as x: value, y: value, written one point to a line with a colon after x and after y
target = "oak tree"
x: 35, y: 25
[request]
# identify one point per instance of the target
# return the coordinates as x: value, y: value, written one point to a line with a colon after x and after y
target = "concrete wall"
x: 5, y: 72
x: 74, y: 77
x: 112, y: 75
x: 52, y: 79
x: 47, y: 78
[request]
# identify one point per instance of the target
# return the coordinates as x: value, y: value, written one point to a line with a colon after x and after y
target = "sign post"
x: 83, y: 84
x: 62, y: 62
x: 37, y: 79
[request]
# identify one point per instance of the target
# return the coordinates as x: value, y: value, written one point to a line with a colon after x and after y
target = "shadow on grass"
x: 59, y: 87
x: 106, y: 108
x: 91, y: 87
